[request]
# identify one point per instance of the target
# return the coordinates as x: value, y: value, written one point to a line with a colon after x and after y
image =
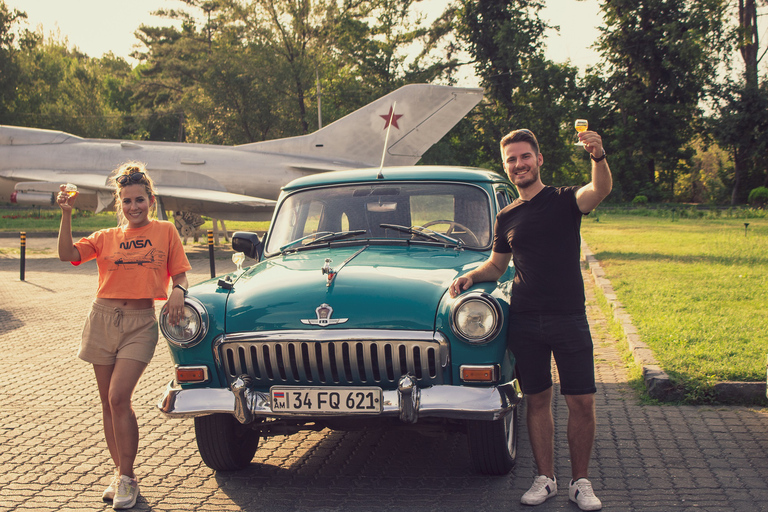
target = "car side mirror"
x: 247, y: 243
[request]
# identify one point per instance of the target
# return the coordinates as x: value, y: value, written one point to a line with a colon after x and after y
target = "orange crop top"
x: 135, y: 263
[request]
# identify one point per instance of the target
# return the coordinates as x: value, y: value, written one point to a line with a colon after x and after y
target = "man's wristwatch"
x: 183, y: 290
x: 599, y: 158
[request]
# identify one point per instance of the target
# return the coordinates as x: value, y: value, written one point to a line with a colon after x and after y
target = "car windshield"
x: 445, y: 213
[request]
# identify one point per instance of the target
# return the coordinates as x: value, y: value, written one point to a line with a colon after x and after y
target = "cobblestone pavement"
x: 52, y: 454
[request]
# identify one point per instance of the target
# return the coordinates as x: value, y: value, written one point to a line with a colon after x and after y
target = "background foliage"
x: 678, y: 95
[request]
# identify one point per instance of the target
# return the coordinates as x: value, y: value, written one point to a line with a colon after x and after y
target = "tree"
x: 170, y: 68
x: 659, y: 57
x: 744, y: 110
x: 62, y: 89
x: 9, y: 68
x: 741, y: 126
x: 45, y: 84
x: 242, y: 72
x: 523, y: 89
x: 367, y: 55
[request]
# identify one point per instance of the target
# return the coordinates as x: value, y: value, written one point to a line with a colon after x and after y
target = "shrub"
x: 758, y: 197
x: 640, y: 200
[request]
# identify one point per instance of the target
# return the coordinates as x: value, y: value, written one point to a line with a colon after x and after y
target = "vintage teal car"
x: 345, y: 321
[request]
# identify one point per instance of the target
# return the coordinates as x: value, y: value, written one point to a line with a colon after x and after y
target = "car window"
x: 502, y: 198
x: 456, y: 210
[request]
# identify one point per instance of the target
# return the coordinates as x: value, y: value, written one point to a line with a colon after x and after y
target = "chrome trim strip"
x: 336, y: 335
x: 456, y: 402
x: 216, y: 347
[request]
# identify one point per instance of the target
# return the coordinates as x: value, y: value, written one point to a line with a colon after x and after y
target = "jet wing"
x: 40, y: 186
x: 215, y: 203
x: 43, y: 180
x: 204, y: 201
x: 211, y: 197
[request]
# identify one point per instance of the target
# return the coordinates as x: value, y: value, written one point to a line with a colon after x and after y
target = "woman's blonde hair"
x: 127, y: 169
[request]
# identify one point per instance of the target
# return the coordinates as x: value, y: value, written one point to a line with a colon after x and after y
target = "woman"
x: 136, y: 261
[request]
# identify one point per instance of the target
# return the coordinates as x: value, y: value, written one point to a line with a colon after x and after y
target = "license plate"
x: 326, y: 400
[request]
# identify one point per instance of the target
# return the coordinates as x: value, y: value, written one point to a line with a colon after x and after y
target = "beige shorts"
x: 112, y: 333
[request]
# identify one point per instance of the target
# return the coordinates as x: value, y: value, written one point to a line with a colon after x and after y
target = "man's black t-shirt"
x: 543, y: 236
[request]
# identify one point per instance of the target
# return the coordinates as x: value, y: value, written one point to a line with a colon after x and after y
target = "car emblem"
x: 324, y: 312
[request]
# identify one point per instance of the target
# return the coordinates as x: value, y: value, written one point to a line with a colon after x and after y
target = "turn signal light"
x: 191, y: 374
x: 479, y: 373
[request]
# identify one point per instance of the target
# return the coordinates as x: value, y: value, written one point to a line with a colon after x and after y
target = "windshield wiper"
x: 341, y: 235
x: 299, y: 240
x: 425, y: 233
x: 323, y: 236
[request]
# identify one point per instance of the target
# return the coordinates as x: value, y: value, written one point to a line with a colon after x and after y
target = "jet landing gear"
x: 188, y: 224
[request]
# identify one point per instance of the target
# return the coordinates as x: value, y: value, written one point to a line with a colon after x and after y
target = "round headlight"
x: 476, y: 318
x: 190, y: 330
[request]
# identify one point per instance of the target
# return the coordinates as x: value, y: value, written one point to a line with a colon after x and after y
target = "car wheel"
x: 493, y: 444
x: 225, y: 444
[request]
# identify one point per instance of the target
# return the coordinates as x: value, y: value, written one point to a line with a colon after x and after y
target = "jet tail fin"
x: 423, y: 115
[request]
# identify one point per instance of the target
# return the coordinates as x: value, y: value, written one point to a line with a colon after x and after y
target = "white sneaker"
x: 109, y: 492
x: 127, y: 492
x: 542, y: 489
x: 581, y: 493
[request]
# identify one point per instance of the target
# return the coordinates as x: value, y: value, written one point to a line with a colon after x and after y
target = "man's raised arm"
x: 591, y: 194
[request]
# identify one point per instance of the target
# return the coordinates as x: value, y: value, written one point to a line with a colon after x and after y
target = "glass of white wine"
x: 581, y: 126
x: 238, y: 258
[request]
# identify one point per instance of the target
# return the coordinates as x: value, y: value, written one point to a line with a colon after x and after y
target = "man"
x: 540, y: 231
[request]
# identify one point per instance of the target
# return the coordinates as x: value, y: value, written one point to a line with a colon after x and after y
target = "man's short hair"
x: 521, y: 135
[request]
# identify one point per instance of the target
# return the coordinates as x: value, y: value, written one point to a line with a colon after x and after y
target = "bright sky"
x: 96, y: 27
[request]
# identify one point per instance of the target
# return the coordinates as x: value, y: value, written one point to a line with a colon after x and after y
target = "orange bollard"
x: 23, y: 254
x: 210, y: 253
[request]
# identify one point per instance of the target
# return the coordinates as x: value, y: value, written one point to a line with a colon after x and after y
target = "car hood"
x: 374, y: 288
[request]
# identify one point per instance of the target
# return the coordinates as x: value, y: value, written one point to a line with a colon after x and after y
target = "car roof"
x: 405, y: 173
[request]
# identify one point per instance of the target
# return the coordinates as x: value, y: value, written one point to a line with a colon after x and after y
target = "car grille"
x: 334, y: 362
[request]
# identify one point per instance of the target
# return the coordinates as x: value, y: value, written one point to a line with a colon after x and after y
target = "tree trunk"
x: 302, y: 107
x: 749, y: 45
x: 651, y: 170
x: 736, y: 178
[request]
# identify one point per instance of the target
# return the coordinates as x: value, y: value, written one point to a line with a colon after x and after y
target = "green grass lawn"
x: 696, y: 289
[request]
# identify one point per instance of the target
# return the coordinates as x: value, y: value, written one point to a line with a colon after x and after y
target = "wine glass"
x: 580, y: 125
x: 238, y: 258
x: 70, y: 189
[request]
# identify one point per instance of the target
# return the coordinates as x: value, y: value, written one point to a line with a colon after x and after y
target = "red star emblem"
x: 391, y: 118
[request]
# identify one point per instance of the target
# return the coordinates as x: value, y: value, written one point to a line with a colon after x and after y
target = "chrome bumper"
x: 408, y: 402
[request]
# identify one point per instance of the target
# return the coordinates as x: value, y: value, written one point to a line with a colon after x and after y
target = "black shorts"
x: 535, y: 338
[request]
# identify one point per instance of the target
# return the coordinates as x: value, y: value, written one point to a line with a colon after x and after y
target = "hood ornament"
x: 331, y: 273
x: 324, y: 312
x: 327, y: 270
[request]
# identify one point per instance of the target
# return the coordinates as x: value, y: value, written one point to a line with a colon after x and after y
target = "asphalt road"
x: 53, y: 457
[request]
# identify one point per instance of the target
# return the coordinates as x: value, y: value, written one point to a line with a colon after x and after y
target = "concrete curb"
x: 657, y: 382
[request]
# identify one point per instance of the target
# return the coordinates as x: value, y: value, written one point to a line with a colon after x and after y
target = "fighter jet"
x: 230, y: 182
